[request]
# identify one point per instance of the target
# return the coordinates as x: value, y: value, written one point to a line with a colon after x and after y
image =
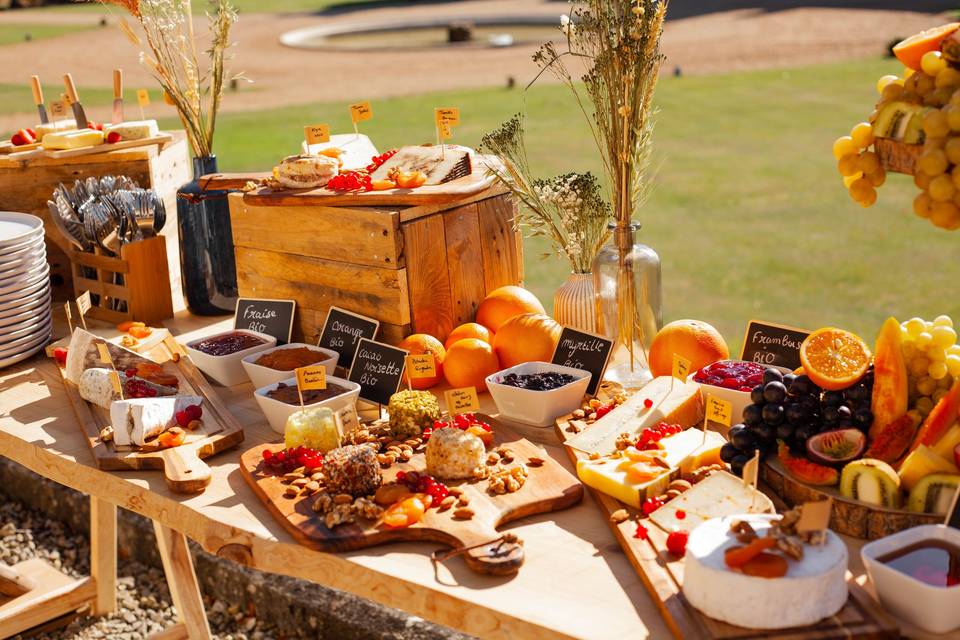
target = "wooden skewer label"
x: 143, y: 97
x: 83, y: 305
x: 421, y: 366
x: 815, y: 516
x: 463, y: 400
x: 58, y: 108
x: 681, y: 367
x: 315, y: 133
x: 360, y: 112
x: 450, y: 115
x: 69, y: 314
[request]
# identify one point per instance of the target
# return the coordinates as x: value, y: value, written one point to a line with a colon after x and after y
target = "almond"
x: 463, y: 514
x: 535, y: 462
x: 343, y: 498
x: 620, y: 515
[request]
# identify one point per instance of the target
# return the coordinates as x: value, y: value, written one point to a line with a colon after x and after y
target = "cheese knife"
x: 38, y: 99
x: 117, y: 96
x: 78, y: 113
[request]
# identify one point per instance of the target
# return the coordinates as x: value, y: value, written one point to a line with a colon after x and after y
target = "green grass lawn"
x: 15, y: 33
x: 749, y: 215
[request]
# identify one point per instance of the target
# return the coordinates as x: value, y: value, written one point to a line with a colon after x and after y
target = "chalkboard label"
x: 272, y: 317
x: 586, y: 351
x: 377, y: 368
x: 343, y: 331
x: 773, y: 344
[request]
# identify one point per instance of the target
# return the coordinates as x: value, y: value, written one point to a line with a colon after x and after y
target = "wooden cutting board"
x: 548, y: 488
x: 662, y: 574
x: 9, y: 147
x: 161, y: 140
x: 183, y: 467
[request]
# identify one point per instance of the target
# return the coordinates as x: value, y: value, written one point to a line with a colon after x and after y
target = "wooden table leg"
x: 103, y: 555
x: 182, y: 580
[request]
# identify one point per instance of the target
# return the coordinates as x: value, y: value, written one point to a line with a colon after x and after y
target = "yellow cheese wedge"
x: 720, y: 494
x: 72, y: 139
x: 682, y: 452
x: 52, y: 127
x: 672, y: 401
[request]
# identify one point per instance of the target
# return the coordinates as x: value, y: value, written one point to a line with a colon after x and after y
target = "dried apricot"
x: 383, y: 185
x: 739, y: 556
x: 140, y: 332
x: 766, y: 565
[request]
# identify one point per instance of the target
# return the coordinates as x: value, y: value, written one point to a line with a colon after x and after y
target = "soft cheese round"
x: 813, y: 589
x: 307, y: 171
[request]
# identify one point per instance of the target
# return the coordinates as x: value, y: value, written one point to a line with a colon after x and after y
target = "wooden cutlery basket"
x: 144, y: 294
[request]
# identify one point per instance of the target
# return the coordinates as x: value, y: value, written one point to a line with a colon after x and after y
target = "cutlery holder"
x: 142, y: 267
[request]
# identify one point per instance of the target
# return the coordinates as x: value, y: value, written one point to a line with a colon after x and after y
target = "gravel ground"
x: 141, y: 590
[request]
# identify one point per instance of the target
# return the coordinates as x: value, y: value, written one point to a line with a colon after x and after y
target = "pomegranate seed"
x: 648, y: 403
x: 641, y: 532
x: 680, y: 514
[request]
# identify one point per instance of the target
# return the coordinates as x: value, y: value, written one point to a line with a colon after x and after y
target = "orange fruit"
x: 469, y: 330
x: 531, y: 337
x: 696, y: 341
x: 418, y: 344
x: 834, y: 359
x: 469, y: 362
x: 504, y: 303
x: 911, y: 50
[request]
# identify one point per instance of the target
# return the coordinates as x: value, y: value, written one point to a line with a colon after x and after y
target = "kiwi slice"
x: 871, y: 481
x: 934, y: 493
x: 900, y: 121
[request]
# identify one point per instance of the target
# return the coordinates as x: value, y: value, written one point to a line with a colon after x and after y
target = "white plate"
x: 13, y: 269
x: 30, y: 280
x: 28, y: 295
x: 10, y: 335
x: 31, y: 310
x: 23, y: 258
x: 27, y: 275
x: 17, y: 227
x: 20, y: 357
x: 28, y: 246
x: 43, y: 334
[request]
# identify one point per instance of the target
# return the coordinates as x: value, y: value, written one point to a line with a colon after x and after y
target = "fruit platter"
x: 913, y: 129
x: 415, y: 476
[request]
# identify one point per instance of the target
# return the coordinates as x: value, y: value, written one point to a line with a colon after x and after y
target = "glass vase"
x: 574, y: 303
x: 207, y: 262
x: 626, y: 276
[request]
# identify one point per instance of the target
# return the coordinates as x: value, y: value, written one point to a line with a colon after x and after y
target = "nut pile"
x: 344, y: 508
x: 595, y: 409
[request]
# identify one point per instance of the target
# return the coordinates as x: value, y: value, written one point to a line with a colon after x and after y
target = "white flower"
x: 566, y: 26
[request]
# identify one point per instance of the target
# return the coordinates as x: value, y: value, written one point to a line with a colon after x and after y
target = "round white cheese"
x: 813, y: 589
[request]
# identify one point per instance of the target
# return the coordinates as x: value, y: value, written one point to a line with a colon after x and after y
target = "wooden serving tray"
x: 183, y: 467
x: 849, y: 517
x: 548, y: 488
x: 8, y: 147
x: 662, y: 575
x: 161, y: 140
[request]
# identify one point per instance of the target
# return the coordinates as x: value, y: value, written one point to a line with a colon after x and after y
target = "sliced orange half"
x: 911, y: 50
x: 834, y: 359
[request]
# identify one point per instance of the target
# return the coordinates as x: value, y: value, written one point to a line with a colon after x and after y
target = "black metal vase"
x: 207, y: 262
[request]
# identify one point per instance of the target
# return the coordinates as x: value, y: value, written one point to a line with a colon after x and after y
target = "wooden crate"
x: 26, y: 185
x: 420, y: 269
x: 144, y: 282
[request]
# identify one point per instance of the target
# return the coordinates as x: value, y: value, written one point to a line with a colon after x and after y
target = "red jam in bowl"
x: 738, y: 375
x: 227, y: 343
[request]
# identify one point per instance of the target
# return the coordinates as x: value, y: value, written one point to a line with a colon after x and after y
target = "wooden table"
x: 576, y: 581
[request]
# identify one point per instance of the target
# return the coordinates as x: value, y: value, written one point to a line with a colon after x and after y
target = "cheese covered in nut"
x: 453, y: 454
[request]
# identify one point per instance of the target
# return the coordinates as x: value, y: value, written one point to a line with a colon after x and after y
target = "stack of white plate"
x: 25, y: 319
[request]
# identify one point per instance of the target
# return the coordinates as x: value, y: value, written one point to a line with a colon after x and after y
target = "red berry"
x: 183, y: 419
x: 60, y: 355
x: 113, y: 137
x: 401, y: 476
x: 194, y: 411
x: 267, y: 454
x: 648, y: 403
x: 641, y: 532
x: 650, y: 505
x: 680, y: 514
x: 677, y: 543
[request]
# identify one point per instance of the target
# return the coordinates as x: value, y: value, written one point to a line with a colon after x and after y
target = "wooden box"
x: 417, y: 269
x: 26, y: 185
x: 139, y: 277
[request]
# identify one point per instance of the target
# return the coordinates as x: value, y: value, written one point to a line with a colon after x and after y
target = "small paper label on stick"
x: 315, y: 133
x: 360, y: 112
x: 84, y: 303
x: 115, y: 382
x: 69, y: 314
x: 58, y: 108
x: 681, y: 367
x: 815, y: 516
x: 143, y: 97
x: 447, y: 115
x: 104, y: 353
x: 463, y: 400
x: 314, y: 377
x: 719, y: 410
x: 421, y: 366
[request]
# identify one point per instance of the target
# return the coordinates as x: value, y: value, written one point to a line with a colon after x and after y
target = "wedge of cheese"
x: 720, y: 494
x: 52, y: 127
x: 681, y: 453
x: 136, y: 421
x: 134, y: 129
x: 72, y: 139
x: 671, y: 400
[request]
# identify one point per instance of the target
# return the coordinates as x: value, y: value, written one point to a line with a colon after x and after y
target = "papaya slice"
x: 911, y: 50
x: 892, y: 441
x: 940, y: 419
x: 807, y: 471
x: 735, y: 557
x: 766, y: 565
x: 889, y: 399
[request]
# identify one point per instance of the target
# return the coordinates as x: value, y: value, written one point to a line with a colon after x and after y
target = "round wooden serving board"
x: 849, y: 517
x: 548, y: 488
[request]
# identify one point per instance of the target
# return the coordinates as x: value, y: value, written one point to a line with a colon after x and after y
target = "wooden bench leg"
x: 103, y: 555
x: 182, y: 580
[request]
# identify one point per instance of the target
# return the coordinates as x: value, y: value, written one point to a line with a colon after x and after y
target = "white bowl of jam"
x: 221, y: 355
x: 916, y: 574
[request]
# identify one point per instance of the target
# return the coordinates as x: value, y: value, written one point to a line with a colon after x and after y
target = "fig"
x: 807, y: 471
x: 836, y: 447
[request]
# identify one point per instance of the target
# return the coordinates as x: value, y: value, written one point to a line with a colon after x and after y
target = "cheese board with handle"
x: 548, y: 487
x: 183, y: 466
x: 161, y: 140
x: 662, y: 573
